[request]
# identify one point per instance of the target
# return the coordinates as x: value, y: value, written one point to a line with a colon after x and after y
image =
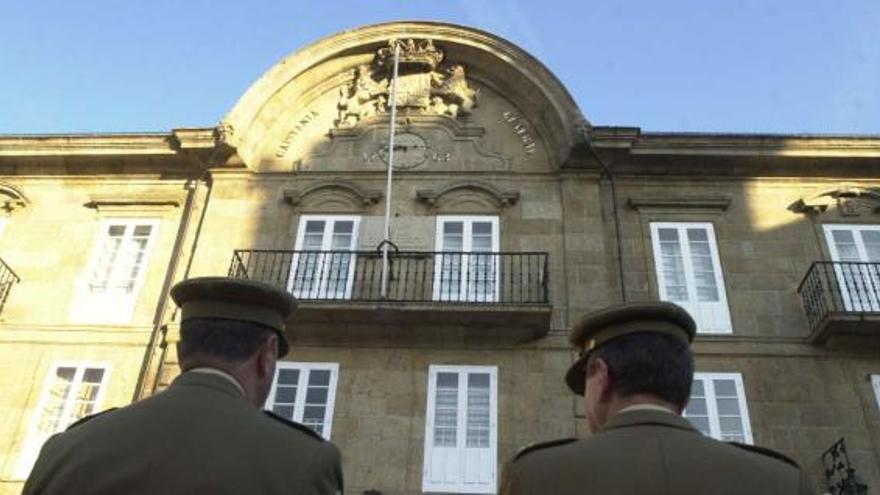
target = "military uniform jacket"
x: 648, y: 452
x: 199, y: 436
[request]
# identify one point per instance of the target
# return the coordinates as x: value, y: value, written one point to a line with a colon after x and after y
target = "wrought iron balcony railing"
x: 837, y: 287
x: 413, y: 276
x: 7, y: 279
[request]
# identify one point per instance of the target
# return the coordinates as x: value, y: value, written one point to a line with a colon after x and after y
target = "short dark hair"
x: 233, y: 340
x: 648, y: 363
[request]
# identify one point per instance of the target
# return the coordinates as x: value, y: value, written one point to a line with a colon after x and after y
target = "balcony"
x: 434, y: 296
x: 841, y: 298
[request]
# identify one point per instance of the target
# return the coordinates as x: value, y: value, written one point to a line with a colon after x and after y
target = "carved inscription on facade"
x: 425, y: 85
x: 300, y: 124
x: 411, y: 150
x: 521, y: 128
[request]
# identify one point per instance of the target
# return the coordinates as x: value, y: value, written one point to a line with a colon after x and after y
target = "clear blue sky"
x: 781, y: 66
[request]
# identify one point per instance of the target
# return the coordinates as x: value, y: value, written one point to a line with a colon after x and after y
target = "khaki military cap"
x: 235, y: 299
x: 607, y: 324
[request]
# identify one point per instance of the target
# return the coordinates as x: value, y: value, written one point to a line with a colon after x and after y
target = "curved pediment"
x: 467, y: 99
x: 468, y: 192
x: 346, y: 193
x: 850, y: 200
x: 11, y: 198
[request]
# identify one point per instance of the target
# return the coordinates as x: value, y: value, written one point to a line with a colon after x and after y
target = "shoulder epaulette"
x: 88, y: 418
x: 293, y: 424
x: 542, y: 445
x: 766, y: 452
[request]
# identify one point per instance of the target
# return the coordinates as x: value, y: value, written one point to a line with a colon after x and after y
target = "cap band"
x: 634, y: 326
x: 232, y: 310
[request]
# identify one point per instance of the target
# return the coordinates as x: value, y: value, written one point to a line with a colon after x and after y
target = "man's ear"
x: 267, y: 356
x: 603, y: 378
x: 177, y: 348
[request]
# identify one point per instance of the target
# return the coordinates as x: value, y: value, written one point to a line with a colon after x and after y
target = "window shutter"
x: 442, y: 460
x: 478, y: 467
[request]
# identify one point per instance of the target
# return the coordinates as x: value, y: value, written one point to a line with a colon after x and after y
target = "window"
x: 689, y: 273
x: 466, y: 266
x: 305, y: 393
x: 71, y: 392
x: 856, y: 249
x: 718, y: 407
x: 875, y: 380
x: 460, y: 430
x: 323, y: 266
x: 116, y: 271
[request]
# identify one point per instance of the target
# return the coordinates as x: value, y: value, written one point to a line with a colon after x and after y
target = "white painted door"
x: 467, y: 263
x: 460, y: 439
x: 855, y: 246
x: 323, y: 267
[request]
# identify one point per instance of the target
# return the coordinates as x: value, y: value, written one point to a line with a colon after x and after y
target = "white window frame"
x: 720, y: 323
x: 33, y: 443
x: 305, y: 369
x: 865, y: 279
x: 712, y: 403
x: 112, y: 307
x: 875, y: 382
x: 320, y: 292
x: 461, y: 426
x: 466, y: 293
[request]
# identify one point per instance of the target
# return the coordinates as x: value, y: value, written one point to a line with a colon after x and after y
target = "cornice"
x: 791, y: 145
x: 166, y: 143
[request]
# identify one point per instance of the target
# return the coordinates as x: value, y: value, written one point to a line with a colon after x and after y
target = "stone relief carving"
x: 425, y: 85
x: 11, y: 198
x: 851, y: 201
x: 225, y: 131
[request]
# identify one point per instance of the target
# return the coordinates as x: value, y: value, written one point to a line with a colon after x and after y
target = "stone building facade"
x: 511, y: 216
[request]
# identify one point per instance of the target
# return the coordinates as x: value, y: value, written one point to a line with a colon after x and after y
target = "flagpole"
x: 387, y: 239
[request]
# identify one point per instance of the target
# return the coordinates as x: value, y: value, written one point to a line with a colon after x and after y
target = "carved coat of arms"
x: 425, y: 85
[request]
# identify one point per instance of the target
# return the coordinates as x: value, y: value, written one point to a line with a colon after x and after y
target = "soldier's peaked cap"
x: 235, y: 299
x: 597, y: 328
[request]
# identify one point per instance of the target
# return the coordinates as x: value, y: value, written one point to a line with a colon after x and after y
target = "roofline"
x: 116, y: 143
x: 603, y: 137
x: 735, y: 144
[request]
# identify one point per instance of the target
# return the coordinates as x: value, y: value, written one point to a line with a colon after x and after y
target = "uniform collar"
x: 218, y: 372
x: 646, y: 407
x: 643, y: 416
x: 212, y: 377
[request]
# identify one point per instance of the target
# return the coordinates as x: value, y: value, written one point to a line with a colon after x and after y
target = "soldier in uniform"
x: 635, y: 372
x: 206, y: 433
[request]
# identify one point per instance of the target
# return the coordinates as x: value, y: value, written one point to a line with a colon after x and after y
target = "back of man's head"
x: 654, y: 364
x: 219, y: 339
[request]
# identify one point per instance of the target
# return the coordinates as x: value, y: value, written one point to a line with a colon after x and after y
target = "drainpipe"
x: 606, y: 172
x: 203, y: 176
